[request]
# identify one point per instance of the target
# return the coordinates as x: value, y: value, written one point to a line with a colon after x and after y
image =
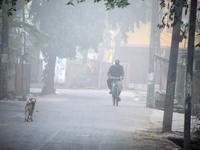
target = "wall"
x: 79, y: 76
x: 138, y: 58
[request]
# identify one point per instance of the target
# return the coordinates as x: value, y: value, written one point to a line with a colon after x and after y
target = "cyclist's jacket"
x: 116, y: 71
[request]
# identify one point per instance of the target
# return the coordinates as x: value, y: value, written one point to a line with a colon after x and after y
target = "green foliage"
x: 162, y: 4
x: 110, y: 4
x: 35, y: 36
x: 197, y: 45
x: 78, y: 25
x: 195, y: 145
x: 196, y: 128
x: 135, y: 12
x: 125, y: 23
x: 171, y: 15
x: 12, y: 5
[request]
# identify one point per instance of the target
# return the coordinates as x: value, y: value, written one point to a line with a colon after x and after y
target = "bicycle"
x: 116, y: 89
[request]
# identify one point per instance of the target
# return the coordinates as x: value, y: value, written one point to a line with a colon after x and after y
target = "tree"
x: 152, y: 48
x: 171, y: 78
x: 12, y: 5
x: 189, y: 74
x: 68, y: 28
x: 109, y: 5
x: 116, y: 13
x: 11, y: 25
x: 134, y: 17
x: 4, y: 51
x: 6, y: 8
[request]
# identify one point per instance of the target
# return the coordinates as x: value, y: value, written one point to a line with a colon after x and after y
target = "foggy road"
x: 80, y: 120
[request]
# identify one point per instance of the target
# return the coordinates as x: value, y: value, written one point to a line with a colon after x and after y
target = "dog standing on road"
x: 30, y: 105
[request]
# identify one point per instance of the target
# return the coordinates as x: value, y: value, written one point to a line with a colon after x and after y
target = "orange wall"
x: 141, y: 36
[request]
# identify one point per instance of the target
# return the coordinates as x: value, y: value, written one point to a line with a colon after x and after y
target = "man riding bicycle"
x: 115, y: 70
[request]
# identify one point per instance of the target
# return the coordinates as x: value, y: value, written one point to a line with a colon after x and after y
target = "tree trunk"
x: 154, y: 31
x: 189, y: 75
x: 85, y: 54
x: 4, y: 52
x: 48, y: 74
x: 171, y: 78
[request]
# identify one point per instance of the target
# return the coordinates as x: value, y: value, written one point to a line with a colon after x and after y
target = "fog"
x: 86, y: 39
x: 65, y: 57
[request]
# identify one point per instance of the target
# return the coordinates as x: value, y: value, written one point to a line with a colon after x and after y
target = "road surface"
x: 84, y: 120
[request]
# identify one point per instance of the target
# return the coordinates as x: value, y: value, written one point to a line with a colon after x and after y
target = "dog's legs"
x: 25, y: 113
x: 31, y: 114
x: 31, y: 118
x: 28, y: 116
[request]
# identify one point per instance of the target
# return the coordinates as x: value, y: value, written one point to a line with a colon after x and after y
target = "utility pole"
x: 189, y: 74
x: 23, y: 57
x: 171, y: 78
x: 151, y: 84
x: 4, y: 51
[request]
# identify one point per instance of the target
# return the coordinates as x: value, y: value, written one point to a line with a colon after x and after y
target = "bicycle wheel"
x: 113, y: 99
x: 117, y: 96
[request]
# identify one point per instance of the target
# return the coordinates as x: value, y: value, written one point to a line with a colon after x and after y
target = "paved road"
x: 83, y: 120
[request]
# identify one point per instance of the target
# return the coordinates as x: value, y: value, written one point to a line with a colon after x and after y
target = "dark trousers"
x: 109, y: 81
